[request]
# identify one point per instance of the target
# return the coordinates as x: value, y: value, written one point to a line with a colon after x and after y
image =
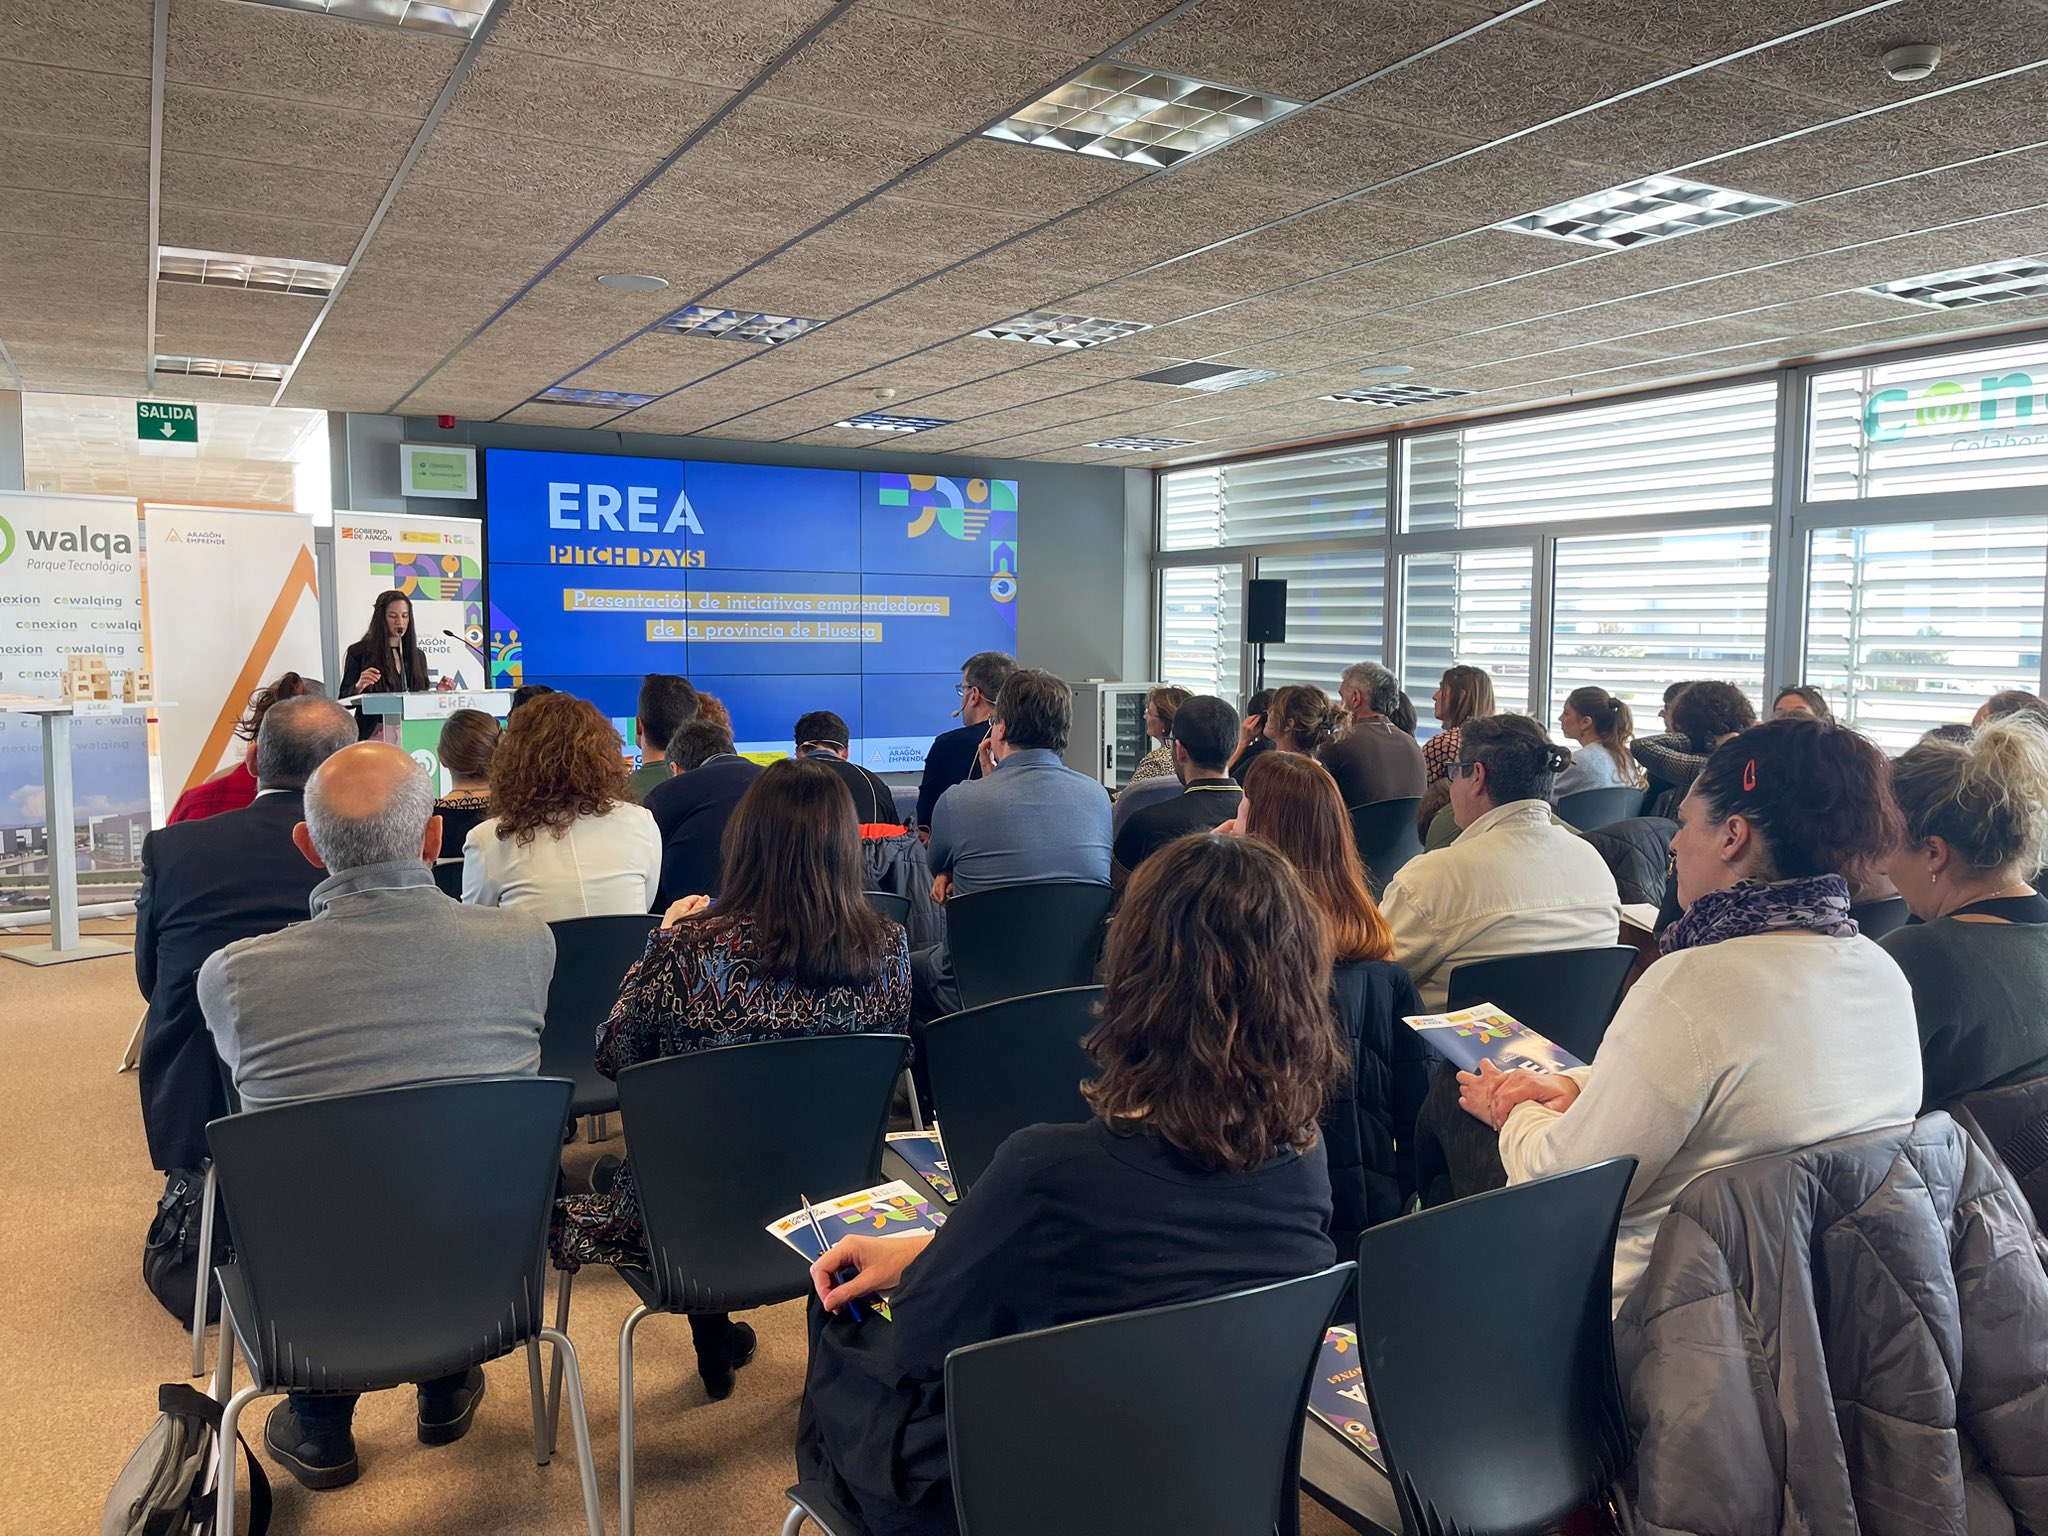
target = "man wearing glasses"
x: 956, y: 756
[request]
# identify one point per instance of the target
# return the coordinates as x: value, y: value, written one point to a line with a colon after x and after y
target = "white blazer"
x: 600, y: 865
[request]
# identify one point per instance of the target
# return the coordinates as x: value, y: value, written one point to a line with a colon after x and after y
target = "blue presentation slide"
x: 780, y: 590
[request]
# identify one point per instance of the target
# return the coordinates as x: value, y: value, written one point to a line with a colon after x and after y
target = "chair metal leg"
x: 203, y: 1280
x: 910, y: 1089
x: 793, y: 1521
x: 541, y: 1448
x: 597, y: 1127
x: 224, y: 1484
x: 626, y: 1330
x: 562, y: 1289
x: 224, y: 1359
x: 579, y: 1424
x: 132, y: 1056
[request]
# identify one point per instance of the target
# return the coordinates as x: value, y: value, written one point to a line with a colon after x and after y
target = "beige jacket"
x: 1514, y: 883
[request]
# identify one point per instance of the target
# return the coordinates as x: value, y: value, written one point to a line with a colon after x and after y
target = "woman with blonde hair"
x: 1302, y: 720
x: 1464, y: 693
x: 1293, y: 803
x: 568, y: 839
x: 1603, y: 727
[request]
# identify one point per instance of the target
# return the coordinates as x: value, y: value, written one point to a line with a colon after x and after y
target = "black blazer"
x: 950, y: 761
x: 691, y: 811
x: 1370, y: 1125
x: 205, y: 884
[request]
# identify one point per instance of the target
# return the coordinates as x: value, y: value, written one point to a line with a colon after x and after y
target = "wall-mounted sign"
x: 166, y: 421
x: 443, y: 470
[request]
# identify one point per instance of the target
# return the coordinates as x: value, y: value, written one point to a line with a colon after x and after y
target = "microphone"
x: 475, y: 650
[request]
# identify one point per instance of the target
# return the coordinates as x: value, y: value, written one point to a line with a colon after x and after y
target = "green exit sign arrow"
x: 165, y: 421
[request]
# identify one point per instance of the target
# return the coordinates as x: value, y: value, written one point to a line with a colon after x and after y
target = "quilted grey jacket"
x: 1851, y: 1338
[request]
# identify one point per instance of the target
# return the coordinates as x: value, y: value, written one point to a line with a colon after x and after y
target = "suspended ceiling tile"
x: 1503, y: 182
x: 1844, y: 63
x: 302, y: 56
x: 277, y: 132
x: 50, y: 281
x: 1852, y: 154
x: 1753, y: 243
x: 1704, y: 114
x: 807, y: 153
x: 1383, y: 338
x: 416, y: 272
x: 569, y: 102
x: 528, y: 170
x: 903, y: 70
x: 1082, y: 29
x: 1000, y: 392
x: 71, y: 216
x: 1245, y: 324
x: 32, y: 161
x: 241, y: 185
x: 1995, y: 114
x: 1161, y: 297
x: 1691, y: 31
x: 1348, y: 233
x: 1014, y: 178
x: 1991, y: 186
x: 1440, y: 271
x: 212, y: 229
x: 1325, y: 153
x: 541, y: 415
x: 656, y: 364
x: 479, y: 404
x: 1299, y: 49
x: 73, y: 104
x: 197, y: 321
x: 725, y: 44
x: 1570, y: 363
x: 57, y: 377
x: 942, y: 367
x: 490, y: 225
x: 108, y: 36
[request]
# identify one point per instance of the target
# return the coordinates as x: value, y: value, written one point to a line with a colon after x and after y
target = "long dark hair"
x: 376, y: 641
x: 793, y: 870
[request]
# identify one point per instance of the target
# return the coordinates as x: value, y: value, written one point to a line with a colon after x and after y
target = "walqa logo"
x: 62, y: 541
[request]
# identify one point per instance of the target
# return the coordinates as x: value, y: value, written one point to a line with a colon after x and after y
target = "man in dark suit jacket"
x: 692, y: 808
x: 206, y: 884
x: 823, y: 735
x: 955, y: 757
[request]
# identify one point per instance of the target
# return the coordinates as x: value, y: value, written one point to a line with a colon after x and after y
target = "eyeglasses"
x: 1460, y: 770
x: 963, y: 689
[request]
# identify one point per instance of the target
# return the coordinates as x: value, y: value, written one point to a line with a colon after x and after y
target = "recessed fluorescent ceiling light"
x: 1144, y: 444
x: 606, y: 399
x: 1140, y: 116
x: 736, y: 325
x: 1211, y: 377
x: 1992, y: 283
x: 1046, y: 329
x: 882, y: 421
x: 221, y: 368
x: 1655, y: 208
x: 456, y: 18
x: 632, y: 282
x: 1396, y: 394
x: 268, y: 274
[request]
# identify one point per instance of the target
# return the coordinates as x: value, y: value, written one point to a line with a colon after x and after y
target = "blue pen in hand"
x: 839, y: 1277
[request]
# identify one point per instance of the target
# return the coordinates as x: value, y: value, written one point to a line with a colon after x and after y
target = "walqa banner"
x: 70, y: 581
x: 437, y: 562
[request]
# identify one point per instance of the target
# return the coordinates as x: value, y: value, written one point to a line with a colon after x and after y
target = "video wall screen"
x: 780, y: 590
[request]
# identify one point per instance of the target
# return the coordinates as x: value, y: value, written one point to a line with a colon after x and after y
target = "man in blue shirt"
x: 1030, y: 819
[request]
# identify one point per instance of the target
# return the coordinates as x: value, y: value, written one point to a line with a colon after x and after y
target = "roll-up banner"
x: 437, y: 562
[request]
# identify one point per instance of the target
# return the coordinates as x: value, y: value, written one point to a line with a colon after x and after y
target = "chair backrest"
x: 1154, y: 1423
x: 1502, y: 1299
x: 392, y: 1236
x: 1386, y: 837
x: 1000, y: 1067
x: 592, y: 956
x: 2012, y: 1122
x: 1590, y: 809
x: 1135, y: 796
x: 725, y: 1141
x: 448, y: 876
x: 1568, y: 995
x: 1875, y: 919
x: 1019, y: 939
x: 895, y: 908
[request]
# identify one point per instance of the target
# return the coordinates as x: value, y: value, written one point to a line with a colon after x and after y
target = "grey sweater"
x: 1979, y: 991
x: 390, y: 983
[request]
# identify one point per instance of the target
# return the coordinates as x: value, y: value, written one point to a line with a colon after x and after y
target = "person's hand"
x: 1248, y: 730
x: 688, y: 906
x: 880, y: 1262
x: 369, y: 678
x: 924, y: 836
x: 1233, y: 827
x: 446, y: 685
x: 1550, y: 1089
x: 942, y: 888
x: 985, y: 756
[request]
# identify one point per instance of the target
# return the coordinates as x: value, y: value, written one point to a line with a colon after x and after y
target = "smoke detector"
x: 1912, y: 61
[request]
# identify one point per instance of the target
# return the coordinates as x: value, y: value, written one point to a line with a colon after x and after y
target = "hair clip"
x: 1749, y: 775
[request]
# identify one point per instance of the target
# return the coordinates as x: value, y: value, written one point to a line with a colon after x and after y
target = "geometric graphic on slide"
x: 508, y: 665
x: 960, y: 507
x: 435, y: 578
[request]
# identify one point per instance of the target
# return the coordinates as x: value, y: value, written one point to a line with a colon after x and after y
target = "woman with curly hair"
x: 567, y: 839
x: 233, y: 788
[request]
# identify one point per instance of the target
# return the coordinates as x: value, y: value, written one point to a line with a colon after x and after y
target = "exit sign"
x: 163, y: 421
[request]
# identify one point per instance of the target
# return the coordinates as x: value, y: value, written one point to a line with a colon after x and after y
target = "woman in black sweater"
x: 387, y: 659
x: 1202, y: 1173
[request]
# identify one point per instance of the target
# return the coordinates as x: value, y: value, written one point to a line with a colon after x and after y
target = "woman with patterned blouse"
x: 791, y: 948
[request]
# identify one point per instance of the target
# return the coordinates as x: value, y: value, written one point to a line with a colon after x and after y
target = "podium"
x: 413, y: 720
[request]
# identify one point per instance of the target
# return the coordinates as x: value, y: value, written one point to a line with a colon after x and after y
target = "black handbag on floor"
x: 170, y: 1255
x: 166, y: 1490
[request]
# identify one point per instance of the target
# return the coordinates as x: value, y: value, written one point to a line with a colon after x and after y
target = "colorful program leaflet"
x: 1336, y: 1395
x: 1485, y: 1033
x: 887, y: 1210
x: 927, y: 1154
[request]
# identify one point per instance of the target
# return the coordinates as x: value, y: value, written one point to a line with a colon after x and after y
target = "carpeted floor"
x: 88, y: 1345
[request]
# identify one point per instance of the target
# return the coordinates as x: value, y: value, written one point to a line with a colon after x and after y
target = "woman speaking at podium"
x: 386, y: 660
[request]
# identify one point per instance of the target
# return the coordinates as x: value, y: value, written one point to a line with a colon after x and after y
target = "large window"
x: 1912, y: 625
x: 1336, y: 608
x: 1635, y: 613
x: 1962, y: 421
x: 1467, y: 608
x: 1201, y: 627
x: 1310, y: 495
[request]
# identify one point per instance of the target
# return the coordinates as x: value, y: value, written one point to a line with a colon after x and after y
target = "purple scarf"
x: 1816, y: 904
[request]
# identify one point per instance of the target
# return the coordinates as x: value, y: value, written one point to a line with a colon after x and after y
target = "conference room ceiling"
x: 829, y: 162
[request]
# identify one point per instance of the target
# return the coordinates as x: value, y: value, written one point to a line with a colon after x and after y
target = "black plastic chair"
x: 1875, y: 919
x: 1154, y: 1423
x: 890, y: 905
x: 1020, y: 939
x: 1442, y: 1356
x: 1386, y: 837
x: 1003, y: 1066
x: 592, y: 956
x: 1591, y: 809
x: 1568, y: 995
x: 724, y: 1142
x: 448, y: 876
x: 387, y: 1238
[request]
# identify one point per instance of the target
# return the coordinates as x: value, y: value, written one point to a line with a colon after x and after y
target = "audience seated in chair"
x: 1976, y: 827
x: 469, y: 740
x: 233, y: 788
x: 1252, y: 741
x: 1302, y: 719
x: 1204, y: 731
x: 1293, y: 803
x: 1161, y: 706
x: 1029, y: 819
x: 1701, y: 717
x: 1202, y: 1173
x: 667, y: 704
x: 1514, y: 882
x: 824, y: 736
x: 955, y: 756
x: 791, y: 948
x: 1604, y: 728
x: 1769, y: 1024
x: 2011, y: 701
x: 690, y: 811
x: 1374, y: 759
x: 317, y: 1010
x: 206, y: 883
x: 567, y: 839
